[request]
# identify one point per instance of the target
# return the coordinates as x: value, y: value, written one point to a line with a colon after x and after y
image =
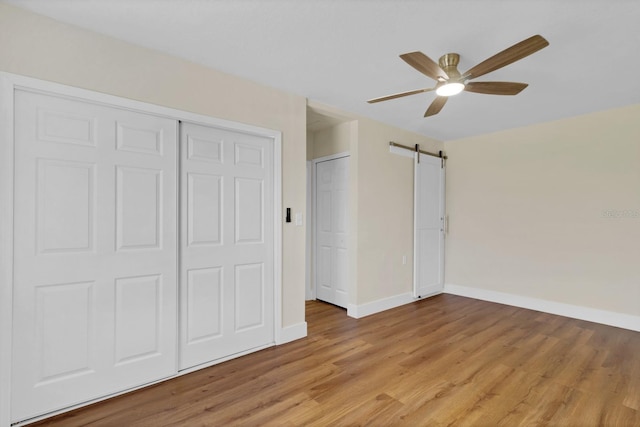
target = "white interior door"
x: 227, y: 260
x: 95, y: 252
x: 428, y: 263
x: 331, y: 219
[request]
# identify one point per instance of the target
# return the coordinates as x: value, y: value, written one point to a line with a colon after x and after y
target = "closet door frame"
x: 9, y: 83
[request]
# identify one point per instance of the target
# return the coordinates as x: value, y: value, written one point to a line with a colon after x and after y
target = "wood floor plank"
x: 440, y: 361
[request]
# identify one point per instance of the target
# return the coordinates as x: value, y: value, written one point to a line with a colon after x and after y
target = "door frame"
x: 9, y: 83
x: 308, y: 289
x: 312, y: 218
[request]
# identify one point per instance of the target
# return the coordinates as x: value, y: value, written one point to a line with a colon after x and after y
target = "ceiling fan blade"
x: 425, y: 65
x: 399, y: 95
x: 507, y: 56
x: 495, y: 88
x: 436, y: 106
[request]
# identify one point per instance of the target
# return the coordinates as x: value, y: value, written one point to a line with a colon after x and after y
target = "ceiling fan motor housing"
x: 449, y: 64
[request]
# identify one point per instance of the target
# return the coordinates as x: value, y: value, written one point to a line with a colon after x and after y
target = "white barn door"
x: 331, y: 220
x: 95, y: 252
x: 227, y: 259
x: 428, y: 263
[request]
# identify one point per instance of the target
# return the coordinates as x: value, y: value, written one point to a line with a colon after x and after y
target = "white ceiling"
x: 341, y: 53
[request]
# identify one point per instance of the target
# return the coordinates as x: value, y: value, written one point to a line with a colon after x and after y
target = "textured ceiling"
x: 341, y: 53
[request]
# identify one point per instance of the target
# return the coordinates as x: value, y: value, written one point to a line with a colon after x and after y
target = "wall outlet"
x: 404, y: 260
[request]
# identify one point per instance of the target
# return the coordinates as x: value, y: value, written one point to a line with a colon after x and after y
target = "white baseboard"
x: 366, y: 309
x: 611, y: 318
x: 291, y: 333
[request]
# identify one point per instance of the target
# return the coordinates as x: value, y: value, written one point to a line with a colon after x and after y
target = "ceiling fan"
x: 451, y: 82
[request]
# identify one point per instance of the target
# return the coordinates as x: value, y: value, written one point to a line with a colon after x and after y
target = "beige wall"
x: 39, y: 47
x: 528, y: 211
x: 385, y: 210
x: 309, y: 145
x: 333, y: 140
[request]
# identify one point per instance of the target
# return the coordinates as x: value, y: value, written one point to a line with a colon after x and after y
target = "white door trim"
x: 312, y: 216
x: 8, y: 84
x: 6, y: 246
x: 308, y: 290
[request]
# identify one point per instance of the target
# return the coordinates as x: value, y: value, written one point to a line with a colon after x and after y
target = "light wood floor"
x: 442, y: 361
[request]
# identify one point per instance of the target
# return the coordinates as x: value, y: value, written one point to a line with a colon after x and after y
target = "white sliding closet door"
x: 226, y: 273
x: 331, y: 220
x: 428, y: 263
x: 95, y: 252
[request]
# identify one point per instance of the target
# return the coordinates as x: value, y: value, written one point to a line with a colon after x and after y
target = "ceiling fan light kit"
x: 450, y: 82
x: 450, y: 89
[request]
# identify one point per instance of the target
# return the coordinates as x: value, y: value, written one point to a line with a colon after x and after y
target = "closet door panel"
x: 204, y: 299
x: 204, y: 209
x: 95, y: 252
x: 227, y: 243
